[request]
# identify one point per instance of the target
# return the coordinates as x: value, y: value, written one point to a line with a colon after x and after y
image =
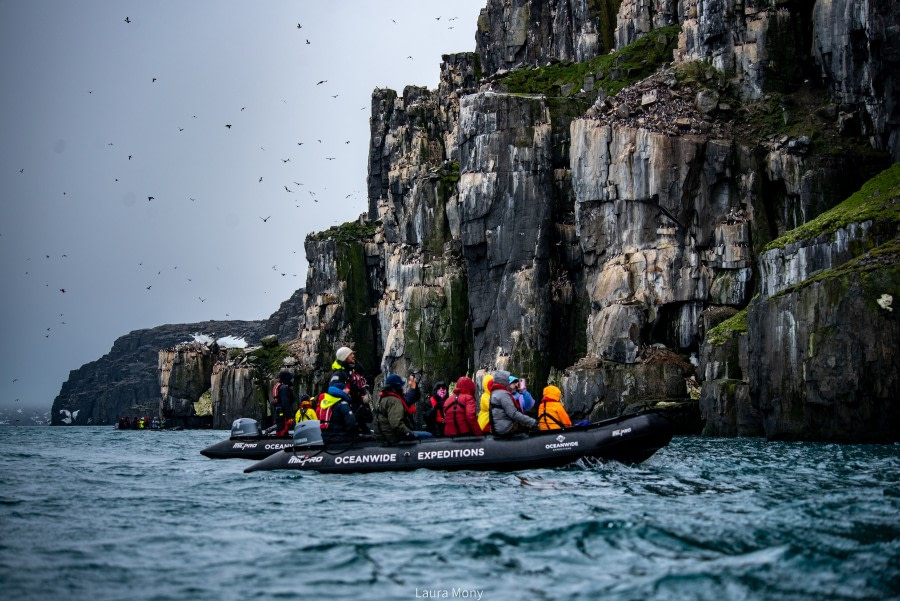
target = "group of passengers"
x: 347, y: 413
x: 126, y: 422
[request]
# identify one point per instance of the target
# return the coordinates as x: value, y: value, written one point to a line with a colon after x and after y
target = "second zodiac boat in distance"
x: 628, y: 439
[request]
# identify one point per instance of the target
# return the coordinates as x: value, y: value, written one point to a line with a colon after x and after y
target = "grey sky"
x: 79, y: 98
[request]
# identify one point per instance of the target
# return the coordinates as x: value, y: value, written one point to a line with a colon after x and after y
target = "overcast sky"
x: 97, y: 115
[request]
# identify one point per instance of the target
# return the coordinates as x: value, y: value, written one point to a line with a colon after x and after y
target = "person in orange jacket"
x: 551, y: 413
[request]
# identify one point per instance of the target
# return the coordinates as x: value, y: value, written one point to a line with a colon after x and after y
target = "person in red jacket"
x: 461, y: 410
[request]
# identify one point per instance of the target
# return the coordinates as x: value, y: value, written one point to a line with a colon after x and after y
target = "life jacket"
x: 543, y: 416
x: 275, y: 390
x: 324, y: 415
x: 326, y: 407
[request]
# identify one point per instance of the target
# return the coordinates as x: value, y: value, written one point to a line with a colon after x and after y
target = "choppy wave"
x: 91, y: 513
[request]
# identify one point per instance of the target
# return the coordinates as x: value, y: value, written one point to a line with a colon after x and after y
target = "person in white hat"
x: 346, y: 370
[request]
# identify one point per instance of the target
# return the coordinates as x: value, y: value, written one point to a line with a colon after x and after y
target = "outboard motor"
x: 308, y: 435
x: 246, y: 427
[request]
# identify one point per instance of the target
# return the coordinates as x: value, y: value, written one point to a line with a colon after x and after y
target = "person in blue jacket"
x: 521, y: 394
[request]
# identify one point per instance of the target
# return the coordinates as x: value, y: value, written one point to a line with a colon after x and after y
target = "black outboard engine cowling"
x: 308, y: 435
x: 246, y: 427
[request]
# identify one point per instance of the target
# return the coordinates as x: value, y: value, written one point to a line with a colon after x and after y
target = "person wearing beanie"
x: 393, y: 417
x: 551, y: 413
x: 461, y: 410
x: 506, y: 414
x: 346, y: 370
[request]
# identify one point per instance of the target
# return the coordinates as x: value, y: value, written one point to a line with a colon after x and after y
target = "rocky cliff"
x: 595, y: 198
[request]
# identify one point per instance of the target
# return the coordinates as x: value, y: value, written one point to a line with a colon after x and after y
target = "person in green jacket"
x: 393, y: 417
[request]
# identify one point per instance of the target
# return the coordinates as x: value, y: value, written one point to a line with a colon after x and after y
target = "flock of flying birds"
x: 293, y: 189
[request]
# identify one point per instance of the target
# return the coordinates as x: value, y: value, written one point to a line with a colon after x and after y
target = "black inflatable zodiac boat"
x: 248, y: 441
x: 628, y: 439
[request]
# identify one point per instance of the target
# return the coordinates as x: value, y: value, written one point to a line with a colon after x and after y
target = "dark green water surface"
x: 92, y: 513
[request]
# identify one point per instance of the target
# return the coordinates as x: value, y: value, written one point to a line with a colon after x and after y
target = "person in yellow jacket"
x: 305, y: 412
x: 484, y: 413
x: 551, y: 413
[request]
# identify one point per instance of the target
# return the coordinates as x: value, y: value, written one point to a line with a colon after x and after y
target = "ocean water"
x: 93, y: 513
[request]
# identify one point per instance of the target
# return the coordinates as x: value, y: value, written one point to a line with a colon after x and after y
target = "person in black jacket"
x: 348, y: 371
x: 338, y: 423
x: 283, y: 403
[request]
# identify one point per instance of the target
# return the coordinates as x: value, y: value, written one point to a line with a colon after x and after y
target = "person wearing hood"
x: 484, y: 407
x: 434, y: 416
x: 346, y: 370
x: 305, y: 412
x: 338, y: 423
x: 506, y: 415
x: 551, y: 413
x: 461, y: 410
x: 282, y: 403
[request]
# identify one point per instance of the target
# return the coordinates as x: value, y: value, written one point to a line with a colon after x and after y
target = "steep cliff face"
x: 831, y: 370
x: 394, y: 285
x: 506, y: 188
x: 824, y: 324
x: 184, y: 375
x: 857, y: 52
x: 522, y: 33
x: 234, y: 394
